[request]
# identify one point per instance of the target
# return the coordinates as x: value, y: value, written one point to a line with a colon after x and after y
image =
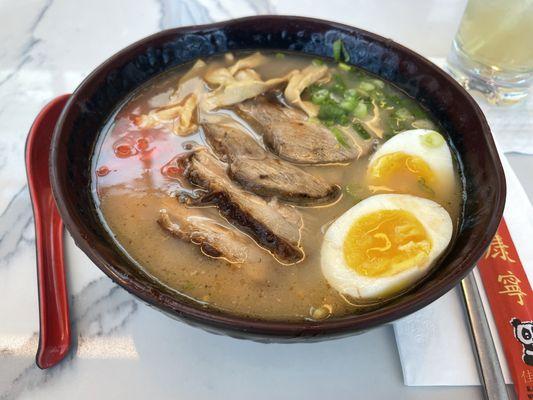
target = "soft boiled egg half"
x: 417, y: 162
x: 383, y: 245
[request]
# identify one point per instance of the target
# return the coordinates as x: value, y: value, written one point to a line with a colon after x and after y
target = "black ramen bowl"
x: 102, y: 92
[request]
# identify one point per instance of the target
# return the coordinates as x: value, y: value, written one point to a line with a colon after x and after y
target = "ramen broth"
x: 135, y: 176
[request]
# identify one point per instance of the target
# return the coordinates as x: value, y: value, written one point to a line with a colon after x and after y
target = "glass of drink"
x: 493, y: 49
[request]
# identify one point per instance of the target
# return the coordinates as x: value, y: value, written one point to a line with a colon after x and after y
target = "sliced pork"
x: 274, y: 226
x: 215, y: 239
x: 262, y: 173
x: 291, y: 135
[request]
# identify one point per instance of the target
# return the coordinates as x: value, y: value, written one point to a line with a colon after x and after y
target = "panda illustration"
x: 523, y: 331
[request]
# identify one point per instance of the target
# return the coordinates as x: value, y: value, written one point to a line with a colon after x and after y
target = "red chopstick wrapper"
x: 511, y: 301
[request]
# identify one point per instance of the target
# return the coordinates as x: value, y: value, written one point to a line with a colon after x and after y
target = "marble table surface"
x: 122, y: 348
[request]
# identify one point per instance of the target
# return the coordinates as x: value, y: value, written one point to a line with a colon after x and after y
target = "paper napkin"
x: 434, y: 343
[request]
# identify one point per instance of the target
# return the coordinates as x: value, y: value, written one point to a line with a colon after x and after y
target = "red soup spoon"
x: 54, y: 332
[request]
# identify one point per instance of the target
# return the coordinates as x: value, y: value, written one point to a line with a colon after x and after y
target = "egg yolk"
x: 402, y: 173
x: 385, y: 243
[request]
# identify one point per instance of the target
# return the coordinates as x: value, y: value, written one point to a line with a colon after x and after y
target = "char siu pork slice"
x: 258, y: 171
x: 291, y: 135
x: 275, y: 227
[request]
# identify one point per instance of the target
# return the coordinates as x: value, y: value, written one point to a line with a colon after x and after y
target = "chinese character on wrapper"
x: 527, y: 376
x: 498, y: 248
x: 511, y: 286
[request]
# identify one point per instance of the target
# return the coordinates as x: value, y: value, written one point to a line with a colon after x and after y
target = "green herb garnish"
x: 320, y: 96
x: 366, y: 86
x: 378, y: 83
x: 339, y: 50
x: 330, y: 111
x: 361, y: 131
x: 423, y: 124
x: 345, y: 67
x: 403, y: 114
x: 432, y: 139
x: 317, y: 62
x: 339, y: 86
x: 350, y: 94
x: 339, y: 136
x: 280, y: 56
x: 360, y: 110
x: 349, y: 105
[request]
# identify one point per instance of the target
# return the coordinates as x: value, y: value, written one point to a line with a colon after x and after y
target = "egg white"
x: 434, y: 218
x: 439, y: 159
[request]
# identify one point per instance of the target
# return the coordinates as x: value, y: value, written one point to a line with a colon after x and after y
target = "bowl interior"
x: 96, y: 98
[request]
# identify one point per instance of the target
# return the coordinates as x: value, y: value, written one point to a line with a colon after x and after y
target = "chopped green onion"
x: 378, y: 83
x: 350, y: 94
x: 331, y: 112
x: 280, y: 56
x: 349, y: 104
x: 345, y: 53
x: 337, y: 48
x: 403, y: 114
x: 423, y: 124
x: 318, y: 62
x: 432, y: 139
x: 345, y: 67
x: 360, y: 110
x: 361, y: 131
x: 339, y: 86
x: 339, y: 136
x: 343, y: 120
x: 366, y: 86
x: 320, y: 96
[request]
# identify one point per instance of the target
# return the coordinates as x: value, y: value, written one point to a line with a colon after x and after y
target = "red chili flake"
x: 136, y: 119
x: 142, y: 144
x: 102, y: 171
x: 124, y: 150
x: 172, y: 171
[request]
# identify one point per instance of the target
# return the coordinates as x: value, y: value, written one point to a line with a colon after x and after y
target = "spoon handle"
x: 54, y: 332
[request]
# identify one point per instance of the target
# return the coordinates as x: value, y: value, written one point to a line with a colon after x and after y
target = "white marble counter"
x: 123, y: 348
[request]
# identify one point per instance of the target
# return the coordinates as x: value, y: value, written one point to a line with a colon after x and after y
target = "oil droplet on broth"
x: 102, y: 171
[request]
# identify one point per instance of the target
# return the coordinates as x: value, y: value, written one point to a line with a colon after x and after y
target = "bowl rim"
x: 273, y: 328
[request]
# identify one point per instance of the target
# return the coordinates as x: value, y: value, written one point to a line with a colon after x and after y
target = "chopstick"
x: 489, y: 369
